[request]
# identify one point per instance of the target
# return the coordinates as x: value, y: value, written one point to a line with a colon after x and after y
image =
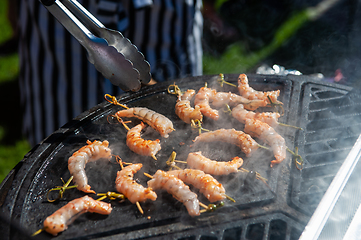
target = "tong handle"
x: 113, y: 38
x: 88, y: 19
x: 106, y: 59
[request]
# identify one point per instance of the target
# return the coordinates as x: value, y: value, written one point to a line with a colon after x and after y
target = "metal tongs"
x: 111, y: 53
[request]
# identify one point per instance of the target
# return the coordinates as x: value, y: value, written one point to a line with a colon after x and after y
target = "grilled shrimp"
x: 220, y: 99
x: 207, y: 185
x: 202, y: 100
x: 197, y: 161
x: 265, y: 132
x: 246, y: 91
x: 156, y: 120
x: 176, y: 187
x: 63, y: 217
x: 184, y: 110
x: 139, y: 145
x: 89, y: 153
x: 126, y: 185
x: 239, y: 138
x: 241, y: 114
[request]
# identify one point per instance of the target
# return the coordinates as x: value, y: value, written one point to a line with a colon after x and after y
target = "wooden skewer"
x: 38, y: 232
x: 257, y: 174
x: 229, y: 198
x: 148, y: 175
x: 139, y: 208
x: 203, y: 205
x: 287, y: 125
x: 114, y: 100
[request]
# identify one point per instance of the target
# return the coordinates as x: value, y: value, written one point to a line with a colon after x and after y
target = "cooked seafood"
x: 238, y: 138
x: 207, y: 185
x: 265, y: 132
x: 126, y: 185
x: 202, y: 100
x: 89, y: 153
x: 176, y: 187
x: 63, y: 217
x: 184, y: 110
x: 139, y: 145
x: 241, y: 114
x: 196, y: 160
x: 156, y: 120
x: 246, y: 91
x: 220, y: 99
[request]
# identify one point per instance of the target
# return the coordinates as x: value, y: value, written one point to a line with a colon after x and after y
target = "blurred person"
x: 57, y: 82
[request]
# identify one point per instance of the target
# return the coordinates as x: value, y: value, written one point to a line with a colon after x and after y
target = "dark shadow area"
x: 11, y: 117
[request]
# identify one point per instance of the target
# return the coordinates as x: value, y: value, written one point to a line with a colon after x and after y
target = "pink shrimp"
x: 89, y: 153
x: 241, y: 114
x: 63, y: 217
x: 197, y: 161
x: 176, y: 187
x: 184, y: 110
x: 126, y: 185
x: 238, y: 138
x: 265, y: 132
x: 139, y: 145
x: 220, y: 99
x: 202, y: 100
x: 246, y: 91
x: 207, y: 185
x: 156, y: 120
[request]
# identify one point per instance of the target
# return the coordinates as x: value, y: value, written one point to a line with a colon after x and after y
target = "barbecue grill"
x: 279, y: 209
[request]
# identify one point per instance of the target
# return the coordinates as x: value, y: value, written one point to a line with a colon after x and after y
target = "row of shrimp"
x: 205, y: 97
x: 260, y: 125
x: 173, y: 182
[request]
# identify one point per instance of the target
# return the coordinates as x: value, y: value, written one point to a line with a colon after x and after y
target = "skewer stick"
x: 119, y: 160
x: 114, y: 100
x: 176, y: 90
x: 178, y: 161
x: 211, y: 207
x: 229, y: 198
x: 298, y: 159
x: 122, y: 122
x: 198, y: 124
x: 203, y: 205
x: 111, y: 196
x: 221, y: 81
x: 228, y: 110
x: 139, y: 208
x: 258, y: 176
x: 148, y: 175
x: 61, y: 189
x: 286, y: 125
x: 261, y: 146
x: 38, y: 232
x: 275, y: 104
x: 171, y: 161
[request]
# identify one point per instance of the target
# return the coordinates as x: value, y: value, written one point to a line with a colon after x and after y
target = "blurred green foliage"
x: 11, y: 152
x: 236, y: 59
x: 6, y: 31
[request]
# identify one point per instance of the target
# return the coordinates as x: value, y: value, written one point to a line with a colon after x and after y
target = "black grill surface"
x: 329, y: 115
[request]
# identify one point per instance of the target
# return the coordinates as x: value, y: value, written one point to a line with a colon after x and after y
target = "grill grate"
x: 331, y: 119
